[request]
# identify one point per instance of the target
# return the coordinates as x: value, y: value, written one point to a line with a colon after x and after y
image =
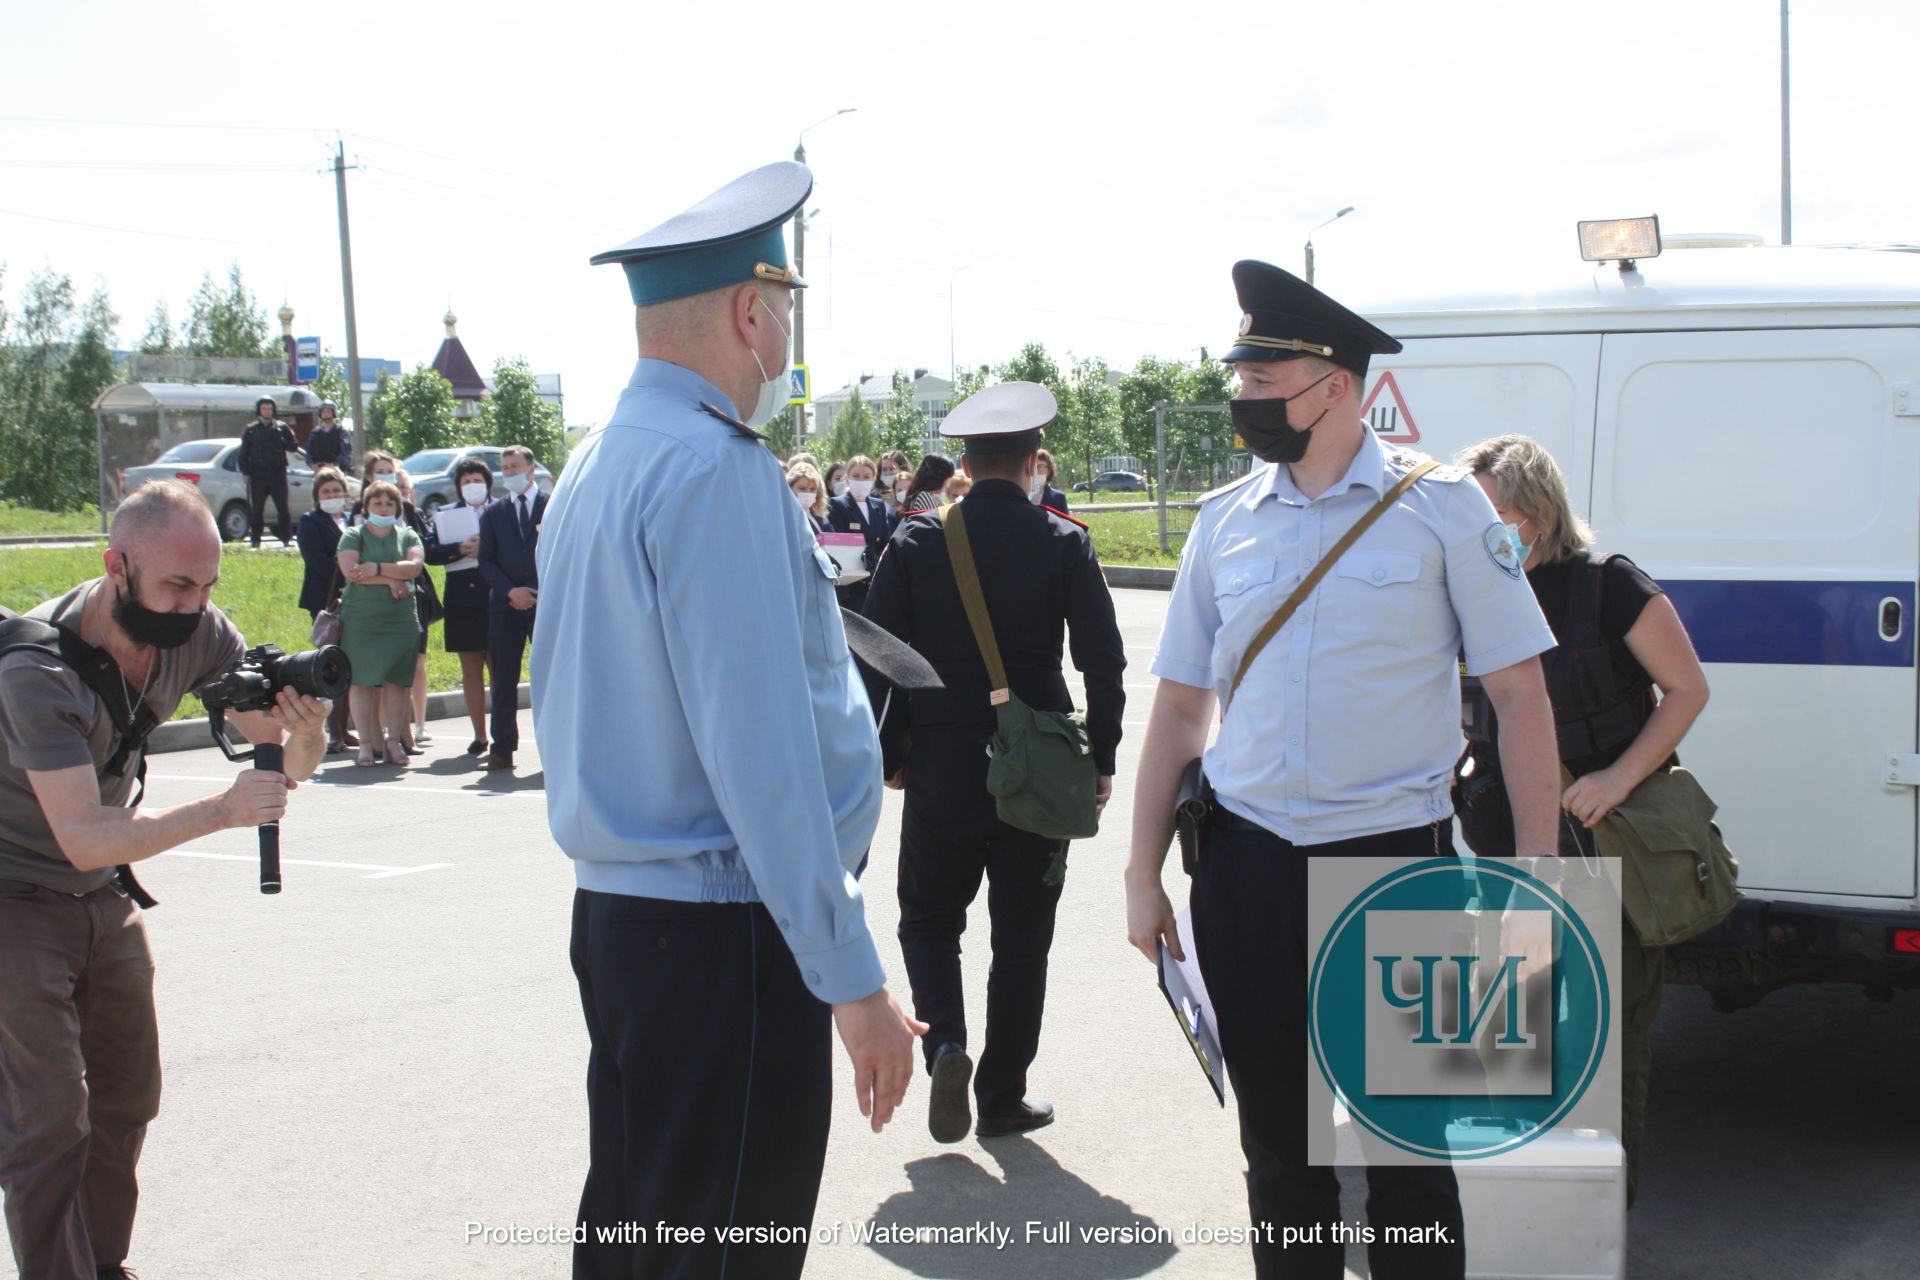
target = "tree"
x: 51, y: 370
x: 419, y: 413
x: 158, y: 339
x: 1194, y: 441
x: 1088, y: 427
x: 375, y: 435
x: 969, y: 382
x: 1033, y: 364
x: 852, y: 434
x: 514, y: 413
x: 229, y: 323
x: 901, y: 423
x: 332, y: 385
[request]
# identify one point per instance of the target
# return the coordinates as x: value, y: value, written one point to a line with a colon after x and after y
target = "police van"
x: 1744, y: 422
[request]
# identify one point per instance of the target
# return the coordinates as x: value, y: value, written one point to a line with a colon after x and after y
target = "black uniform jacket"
x: 1038, y: 572
x: 264, y: 447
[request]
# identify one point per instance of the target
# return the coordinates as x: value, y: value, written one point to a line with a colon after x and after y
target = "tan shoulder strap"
x: 1312, y: 580
x: 960, y: 552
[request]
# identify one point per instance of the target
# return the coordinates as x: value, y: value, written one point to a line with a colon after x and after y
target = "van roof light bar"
x: 1620, y: 240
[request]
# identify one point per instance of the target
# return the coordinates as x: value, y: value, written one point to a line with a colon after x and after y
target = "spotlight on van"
x: 1620, y: 240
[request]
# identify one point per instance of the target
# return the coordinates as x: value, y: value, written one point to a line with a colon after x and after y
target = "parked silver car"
x: 213, y: 467
x: 431, y: 471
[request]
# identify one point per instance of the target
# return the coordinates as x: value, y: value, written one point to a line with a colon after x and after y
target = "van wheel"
x: 236, y: 521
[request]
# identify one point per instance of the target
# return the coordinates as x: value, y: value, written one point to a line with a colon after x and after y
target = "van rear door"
x: 1764, y: 479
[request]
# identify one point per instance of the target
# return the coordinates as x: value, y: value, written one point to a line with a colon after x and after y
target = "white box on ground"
x: 1555, y: 1209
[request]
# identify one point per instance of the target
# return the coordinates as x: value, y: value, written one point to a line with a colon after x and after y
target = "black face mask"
x: 150, y: 626
x: 1263, y: 425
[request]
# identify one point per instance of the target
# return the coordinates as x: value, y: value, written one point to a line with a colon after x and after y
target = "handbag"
x: 1677, y: 877
x: 1041, y: 772
x: 1194, y: 799
x: 326, y: 623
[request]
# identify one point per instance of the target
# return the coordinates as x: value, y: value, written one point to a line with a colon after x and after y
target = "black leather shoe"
x: 478, y: 747
x: 1033, y: 1114
x: 497, y: 761
x: 949, y: 1112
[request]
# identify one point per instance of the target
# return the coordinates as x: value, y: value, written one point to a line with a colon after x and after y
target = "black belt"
x: 1225, y: 819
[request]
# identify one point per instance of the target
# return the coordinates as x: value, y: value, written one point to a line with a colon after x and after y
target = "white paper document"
x: 454, y: 525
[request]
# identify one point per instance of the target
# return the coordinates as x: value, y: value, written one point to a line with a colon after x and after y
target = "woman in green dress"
x: 379, y: 625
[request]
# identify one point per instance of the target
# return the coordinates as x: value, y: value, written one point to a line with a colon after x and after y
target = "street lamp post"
x: 953, y: 362
x: 800, y: 265
x: 1335, y: 218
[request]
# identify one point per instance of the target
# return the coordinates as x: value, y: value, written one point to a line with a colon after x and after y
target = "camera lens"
x: 317, y: 673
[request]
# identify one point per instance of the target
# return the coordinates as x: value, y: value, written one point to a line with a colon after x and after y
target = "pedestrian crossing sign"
x: 799, y: 385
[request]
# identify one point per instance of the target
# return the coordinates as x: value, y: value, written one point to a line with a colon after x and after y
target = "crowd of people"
x: 366, y: 564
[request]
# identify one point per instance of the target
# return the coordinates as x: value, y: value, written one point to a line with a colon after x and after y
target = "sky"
x: 1080, y: 175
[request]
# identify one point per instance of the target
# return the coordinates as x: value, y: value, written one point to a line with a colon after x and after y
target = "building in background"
x: 932, y: 395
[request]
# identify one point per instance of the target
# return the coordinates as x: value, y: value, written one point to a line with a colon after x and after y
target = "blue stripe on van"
x: 1818, y: 624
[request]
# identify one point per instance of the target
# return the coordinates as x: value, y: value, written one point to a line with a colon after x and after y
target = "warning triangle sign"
x: 1390, y: 420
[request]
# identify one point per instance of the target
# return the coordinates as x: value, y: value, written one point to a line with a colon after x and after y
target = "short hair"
x: 519, y: 451
x: 999, y: 457
x: 367, y: 463
x: 1528, y: 480
x: 860, y: 460
x: 326, y: 476
x: 382, y: 489
x: 472, y: 465
x: 145, y: 513
x: 807, y: 471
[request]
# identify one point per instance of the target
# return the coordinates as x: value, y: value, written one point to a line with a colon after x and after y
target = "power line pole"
x: 1786, y: 139
x: 340, y: 167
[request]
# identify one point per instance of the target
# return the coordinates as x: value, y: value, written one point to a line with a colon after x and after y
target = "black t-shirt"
x: 1624, y: 593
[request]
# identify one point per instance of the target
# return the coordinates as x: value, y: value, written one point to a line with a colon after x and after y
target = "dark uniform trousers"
x: 950, y: 837
x: 709, y: 1087
x: 509, y: 632
x: 1249, y: 902
x: 270, y: 484
x: 79, y: 1075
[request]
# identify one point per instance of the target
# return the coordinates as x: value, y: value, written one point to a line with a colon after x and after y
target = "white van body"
x: 1744, y: 422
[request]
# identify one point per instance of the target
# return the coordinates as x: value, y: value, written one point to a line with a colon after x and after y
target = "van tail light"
x: 1907, y: 941
x: 191, y: 477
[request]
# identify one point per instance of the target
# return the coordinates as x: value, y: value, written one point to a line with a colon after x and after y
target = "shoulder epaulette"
x: 1407, y: 459
x: 734, y: 422
x: 1064, y: 516
x: 1231, y: 485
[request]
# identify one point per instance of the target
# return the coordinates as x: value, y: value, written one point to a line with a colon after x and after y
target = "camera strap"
x: 100, y: 673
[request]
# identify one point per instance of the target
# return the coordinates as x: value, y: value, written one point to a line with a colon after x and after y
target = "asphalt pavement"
x: 381, y: 1071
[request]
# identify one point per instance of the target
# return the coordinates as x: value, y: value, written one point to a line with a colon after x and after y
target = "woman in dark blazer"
x: 319, y: 540
x: 860, y: 510
x: 1043, y: 476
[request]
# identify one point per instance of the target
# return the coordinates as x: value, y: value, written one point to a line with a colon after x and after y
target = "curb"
x: 1126, y: 575
x: 191, y: 735
x: 52, y: 540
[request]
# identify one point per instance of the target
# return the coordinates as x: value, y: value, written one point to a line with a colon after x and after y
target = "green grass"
x: 20, y: 522
x: 259, y: 590
x: 1133, y: 537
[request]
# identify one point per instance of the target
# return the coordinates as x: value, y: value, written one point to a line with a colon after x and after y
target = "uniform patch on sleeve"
x: 1500, y: 550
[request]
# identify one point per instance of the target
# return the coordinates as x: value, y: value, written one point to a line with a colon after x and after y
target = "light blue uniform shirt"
x: 1348, y: 723
x: 704, y: 734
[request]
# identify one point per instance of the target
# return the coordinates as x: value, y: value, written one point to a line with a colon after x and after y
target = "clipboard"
x: 1186, y: 993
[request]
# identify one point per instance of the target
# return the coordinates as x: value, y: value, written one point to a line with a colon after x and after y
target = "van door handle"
x: 1891, y: 621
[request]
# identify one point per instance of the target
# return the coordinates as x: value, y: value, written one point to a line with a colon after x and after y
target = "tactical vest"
x: 1594, y: 710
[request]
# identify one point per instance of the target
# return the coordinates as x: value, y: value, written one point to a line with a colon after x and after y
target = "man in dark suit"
x: 264, y: 447
x: 860, y: 510
x: 509, y: 532
x: 1040, y: 578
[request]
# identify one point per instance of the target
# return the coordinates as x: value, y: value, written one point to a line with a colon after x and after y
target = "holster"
x: 1191, y: 805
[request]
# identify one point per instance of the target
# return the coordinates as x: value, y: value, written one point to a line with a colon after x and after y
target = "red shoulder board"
x: 1064, y: 516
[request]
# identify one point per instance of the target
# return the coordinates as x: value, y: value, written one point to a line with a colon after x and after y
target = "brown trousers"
x: 79, y: 1075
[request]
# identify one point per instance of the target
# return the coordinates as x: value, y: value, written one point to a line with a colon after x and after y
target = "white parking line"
x: 379, y: 872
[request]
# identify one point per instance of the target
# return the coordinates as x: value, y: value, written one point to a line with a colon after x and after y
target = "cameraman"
x: 79, y: 1055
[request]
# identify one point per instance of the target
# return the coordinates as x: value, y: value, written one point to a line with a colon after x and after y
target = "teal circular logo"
x: 1354, y: 990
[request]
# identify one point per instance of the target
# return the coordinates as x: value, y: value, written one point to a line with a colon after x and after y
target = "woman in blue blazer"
x: 1048, y: 496
x: 859, y: 510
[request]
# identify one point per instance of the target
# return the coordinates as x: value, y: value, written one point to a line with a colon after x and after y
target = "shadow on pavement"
x: 503, y: 780
x: 953, y: 1191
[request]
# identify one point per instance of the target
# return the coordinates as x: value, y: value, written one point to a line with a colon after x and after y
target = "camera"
x: 265, y: 670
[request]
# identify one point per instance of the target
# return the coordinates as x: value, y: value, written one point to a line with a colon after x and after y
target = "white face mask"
x: 839, y: 487
x: 1037, y: 487
x: 773, y: 390
x: 859, y: 489
x: 333, y: 506
x: 805, y: 497
x: 902, y: 480
x: 383, y: 477
x: 516, y: 484
x: 474, y: 492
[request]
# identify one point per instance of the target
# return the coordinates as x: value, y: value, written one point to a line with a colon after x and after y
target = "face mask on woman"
x: 474, y: 492
x: 333, y: 506
x: 860, y: 489
x: 382, y: 522
x: 806, y: 498
x: 839, y: 487
x: 901, y: 481
x: 886, y: 479
x: 383, y: 477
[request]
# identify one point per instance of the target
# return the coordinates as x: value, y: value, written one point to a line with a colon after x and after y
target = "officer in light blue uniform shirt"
x: 712, y: 768
x: 1340, y: 738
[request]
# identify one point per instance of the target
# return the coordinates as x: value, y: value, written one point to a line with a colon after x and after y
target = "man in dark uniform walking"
x: 1037, y: 572
x: 264, y: 447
